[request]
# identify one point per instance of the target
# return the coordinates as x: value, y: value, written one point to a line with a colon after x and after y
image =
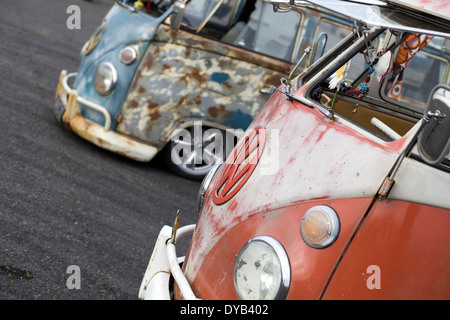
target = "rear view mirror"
x: 434, y: 139
x: 177, y: 15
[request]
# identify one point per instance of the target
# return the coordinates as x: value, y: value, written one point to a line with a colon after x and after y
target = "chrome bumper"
x: 67, y: 110
x: 164, y: 263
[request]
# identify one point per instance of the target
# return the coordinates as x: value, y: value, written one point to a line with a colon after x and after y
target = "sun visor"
x: 381, y: 14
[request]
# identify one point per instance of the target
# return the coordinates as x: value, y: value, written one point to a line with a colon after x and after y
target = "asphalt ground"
x: 64, y: 201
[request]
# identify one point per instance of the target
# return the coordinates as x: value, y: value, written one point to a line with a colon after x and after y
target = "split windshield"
x: 264, y: 31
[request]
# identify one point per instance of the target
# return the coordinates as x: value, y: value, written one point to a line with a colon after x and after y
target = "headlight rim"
x: 114, y: 74
x: 283, y: 259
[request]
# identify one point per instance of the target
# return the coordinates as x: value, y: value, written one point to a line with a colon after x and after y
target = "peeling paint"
x: 216, y: 82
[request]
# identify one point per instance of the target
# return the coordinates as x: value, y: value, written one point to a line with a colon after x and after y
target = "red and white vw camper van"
x: 340, y: 188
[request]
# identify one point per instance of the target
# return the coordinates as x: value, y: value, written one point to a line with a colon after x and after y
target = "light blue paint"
x: 220, y: 77
x: 124, y: 28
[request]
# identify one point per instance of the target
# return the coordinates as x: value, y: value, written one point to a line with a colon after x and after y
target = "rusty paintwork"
x: 185, y: 77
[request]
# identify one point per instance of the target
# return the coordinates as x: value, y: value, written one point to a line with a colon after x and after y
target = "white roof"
x: 414, y: 16
x: 439, y: 8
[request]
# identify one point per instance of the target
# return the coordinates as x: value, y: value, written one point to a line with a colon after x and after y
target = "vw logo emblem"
x: 240, y: 165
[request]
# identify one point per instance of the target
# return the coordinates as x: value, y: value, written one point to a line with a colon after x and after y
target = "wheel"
x: 193, y: 151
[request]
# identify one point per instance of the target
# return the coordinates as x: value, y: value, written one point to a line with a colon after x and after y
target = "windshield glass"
x: 265, y: 32
x: 198, y: 10
x: 270, y: 33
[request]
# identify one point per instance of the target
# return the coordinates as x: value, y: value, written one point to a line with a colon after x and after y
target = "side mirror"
x: 434, y: 139
x: 177, y: 15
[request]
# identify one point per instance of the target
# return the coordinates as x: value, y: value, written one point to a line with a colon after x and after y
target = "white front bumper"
x: 164, y: 263
x: 67, y: 110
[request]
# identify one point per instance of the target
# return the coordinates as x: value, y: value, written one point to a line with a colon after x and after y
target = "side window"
x: 277, y: 33
x: 328, y: 34
x: 198, y: 10
x: 416, y: 71
x: 265, y: 32
x: 270, y: 33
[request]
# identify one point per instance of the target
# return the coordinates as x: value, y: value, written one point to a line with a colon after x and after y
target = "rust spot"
x: 215, y: 112
x: 272, y: 80
x: 181, y: 101
x: 139, y: 74
x: 153, y: 111
x: 136, y: 79
x: 187, y: 52
x: 133, y: 104
x: 148, y: 63
x: 199, y: 77
x: 173, y: 34
x: 194, y: 74
x: 151, y: 105
x: 165, y: 66
x: 118, y: 118
x: 197, y: 100
x: 141, y: 90
x: 155, y: 115
x: 227, y: 85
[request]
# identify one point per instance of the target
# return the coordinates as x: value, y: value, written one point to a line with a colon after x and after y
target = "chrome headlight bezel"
x: 105, y: 78
x: 242, y: 278
x: 205, y: 185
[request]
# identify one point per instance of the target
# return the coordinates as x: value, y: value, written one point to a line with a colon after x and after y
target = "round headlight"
x: 320, y: 226
x: 105, y: 78
x: 205, y: 185
x: 261, y: 270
